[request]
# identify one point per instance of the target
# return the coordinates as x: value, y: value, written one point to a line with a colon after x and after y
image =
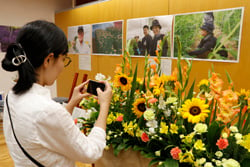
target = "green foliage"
x: 213, y: 135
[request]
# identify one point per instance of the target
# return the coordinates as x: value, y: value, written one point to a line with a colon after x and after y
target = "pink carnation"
x: 153, y: 100
x: 175, y: 153
x: 144, y: 137
x: 222, y: 143
x: 119, y: 118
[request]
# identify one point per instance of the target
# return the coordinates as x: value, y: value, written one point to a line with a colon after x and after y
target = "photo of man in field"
x: 209, y: 35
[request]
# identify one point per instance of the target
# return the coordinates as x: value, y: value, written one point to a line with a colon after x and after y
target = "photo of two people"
x: 146, y: 35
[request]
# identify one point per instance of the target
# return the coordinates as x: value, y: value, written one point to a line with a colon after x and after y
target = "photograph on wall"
x: 148, y: 35
x: 8, y: 35
x: 107, y: 38
x: 79, y: 39
x: 211, y: 35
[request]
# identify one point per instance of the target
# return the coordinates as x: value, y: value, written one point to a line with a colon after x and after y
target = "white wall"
x: 19, y: 12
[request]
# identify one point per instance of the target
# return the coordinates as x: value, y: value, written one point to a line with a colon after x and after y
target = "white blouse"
x: 47, y: 132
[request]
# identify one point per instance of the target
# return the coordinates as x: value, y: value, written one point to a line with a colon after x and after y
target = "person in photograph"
x: 81, y: 46
x: 208, y: 18
x: 136, y: 44
x: 156, y: 28
x: 207, y: 43
x: 146, y: 41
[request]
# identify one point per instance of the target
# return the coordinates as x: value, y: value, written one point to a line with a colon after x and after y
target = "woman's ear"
x: 49, y: 59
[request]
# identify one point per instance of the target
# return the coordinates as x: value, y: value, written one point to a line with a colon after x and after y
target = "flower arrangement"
x: 168, y: 122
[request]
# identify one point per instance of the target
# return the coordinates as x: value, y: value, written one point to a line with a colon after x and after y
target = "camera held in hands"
x: 93, y: 85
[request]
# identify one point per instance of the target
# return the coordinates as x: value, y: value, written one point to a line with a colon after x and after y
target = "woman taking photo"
x: 39, y: 131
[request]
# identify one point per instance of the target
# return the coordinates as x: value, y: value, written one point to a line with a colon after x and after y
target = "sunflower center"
x: 141, y: 107
x: 123, y: 80
x: 195, y: 110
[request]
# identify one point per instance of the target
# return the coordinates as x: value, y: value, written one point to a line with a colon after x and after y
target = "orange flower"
x: 144, y: 137
x: 153, y: 100
x: 153, y: 81
x: 216, y: 83
x: 128, y: 65
x: 156, y: 60
x: 119, y: 118
x: 76, y: 121
x: 230, y: 96
x: 153, y: 66
x: 156, y: 52
x: 118, y: 69
x: 175, y: 153
x: 222, y: 143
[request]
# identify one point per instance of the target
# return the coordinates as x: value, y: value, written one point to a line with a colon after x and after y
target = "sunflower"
x: 139, y: 107
x: 123, y: 81
x: 244, y: 93
x: 195, y: 110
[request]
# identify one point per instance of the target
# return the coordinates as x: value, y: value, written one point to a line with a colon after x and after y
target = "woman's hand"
x: 105, y: 96
x: 104, y: 99
x: 78, y: 94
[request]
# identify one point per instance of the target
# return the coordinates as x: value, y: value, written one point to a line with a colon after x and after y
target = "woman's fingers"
x: 86, y: 95
x: 81, y: 87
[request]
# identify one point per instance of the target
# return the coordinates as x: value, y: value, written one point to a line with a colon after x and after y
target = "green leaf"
x: 170, y: 163
x: 213, y: 135
x: 245, y: 163
x: 131, y: 97
x: 153, y: 162
x: 191, y: 90
x: 229, y: 79
x: 119, y: 148
x: 141, y: 122
x: 246, y: 126
x: 209, y: 74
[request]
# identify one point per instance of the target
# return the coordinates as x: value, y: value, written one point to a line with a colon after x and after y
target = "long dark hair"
x: 36, y: 40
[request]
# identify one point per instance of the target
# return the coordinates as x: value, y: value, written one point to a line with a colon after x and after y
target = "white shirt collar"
x: 41, y: 90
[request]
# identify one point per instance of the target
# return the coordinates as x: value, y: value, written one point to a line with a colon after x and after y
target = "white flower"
x: 167, y: 113
x: 88, y: 114
x: 208, y: 164
x: 100, y: 77
x: 93, y: 109
x: 107, y: 137
x: 200, y: 128
x: 106, y: 147
x: 233, y: 129
x: 239, y: 141
x: 238, y: 136
x: 219, y: 154
x: 149, y: 114
x: 224, y: 135
x: 152, y: 124
x: 171, y: 100
x: 151, y: 131
x: 218, y: 163
x: 158, y: 153
x: 161, y: 104
x: 182, y: 136
x: 230, y: 163
x: 201, y: 161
